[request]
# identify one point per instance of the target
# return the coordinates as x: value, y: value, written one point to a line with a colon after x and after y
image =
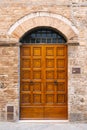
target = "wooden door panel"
x: 50, y: 87
x: 49, y: 63
x: 49, y: 98
x: 26, y: 63
x: 61, y: 74
x: 37, y: 74
x: 61, y: 98
x: 59, y: 113
x: 61, y: 51
x: 25, y: 86
x: 61, y: 86
x: 37, y: 98
x: 25, y: 98
x: 37, y: 87
x: 31, y: 113
x: 26, y: 51
x: 26, y: 74
x: 60, y: 63
x: 49, y: 51
x: 43, y: 82
x: 36, y: 63
x: 37, y: 51
x: 50, y: 74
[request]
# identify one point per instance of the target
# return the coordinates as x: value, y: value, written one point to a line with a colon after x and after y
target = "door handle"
x: 55, y: 82
x: 31, y: 83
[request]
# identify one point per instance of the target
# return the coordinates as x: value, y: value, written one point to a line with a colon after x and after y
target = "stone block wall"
x: 73, y: 10
x: 77, y: 83
x: 9, y: 89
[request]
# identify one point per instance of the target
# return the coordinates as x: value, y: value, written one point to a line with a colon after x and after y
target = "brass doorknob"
x: 55, y: 82
x: 31, y: 82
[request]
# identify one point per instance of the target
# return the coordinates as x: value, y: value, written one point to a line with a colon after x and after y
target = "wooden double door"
x: 43, y: 82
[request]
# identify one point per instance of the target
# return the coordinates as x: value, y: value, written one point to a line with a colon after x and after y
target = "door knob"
x: 31, y: 82
x: 55, y: 82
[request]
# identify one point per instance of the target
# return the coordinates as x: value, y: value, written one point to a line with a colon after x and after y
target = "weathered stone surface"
x: 9, y: 77
x: 74, y: 117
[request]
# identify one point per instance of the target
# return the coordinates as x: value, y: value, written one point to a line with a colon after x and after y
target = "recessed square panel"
x: 25, y: 86
x: 25, y: 98
x: 60, y: 63
x: 26, y: 63
x: 37, y: 98
x: 61, y: 74
x: 49, y: 98
x: 26, y: 74
x: 60, y: 51
x: 36, y: 63
x: 61, y: 86
x: 37, y: 51
x: 26, y: 51
x: 36, y: 74
x: 50, y: 74
x: 60, y: 98
x: 50, y: 63
x: 49, y: 86
x: 49, y: 51
x: 37, y: 87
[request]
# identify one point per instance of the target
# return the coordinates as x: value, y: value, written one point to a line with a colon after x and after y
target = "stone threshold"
x: 43, y: 121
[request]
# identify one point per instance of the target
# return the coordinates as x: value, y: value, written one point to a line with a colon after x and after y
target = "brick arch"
x: 43, y: 19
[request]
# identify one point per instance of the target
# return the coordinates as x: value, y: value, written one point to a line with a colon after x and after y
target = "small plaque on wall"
x: 76, y: 70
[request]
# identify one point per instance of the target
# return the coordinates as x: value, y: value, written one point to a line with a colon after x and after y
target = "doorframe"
x: 67, y: 120
x: 17, y: 30
x: 19, y: 81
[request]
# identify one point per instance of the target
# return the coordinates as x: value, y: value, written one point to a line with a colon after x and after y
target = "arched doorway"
x: 43, y: 75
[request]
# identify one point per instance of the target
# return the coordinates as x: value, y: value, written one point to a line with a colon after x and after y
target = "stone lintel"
x: 9, y: 43
x: 73, y: 44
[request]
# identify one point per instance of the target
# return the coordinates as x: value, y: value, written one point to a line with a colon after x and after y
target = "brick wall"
x: 8, y: 80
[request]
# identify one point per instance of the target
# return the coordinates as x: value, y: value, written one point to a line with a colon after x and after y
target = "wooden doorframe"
x: 19, y: 54
x: 19, y: 51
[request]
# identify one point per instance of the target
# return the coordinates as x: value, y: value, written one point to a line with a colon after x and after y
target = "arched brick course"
x: 43, y: 19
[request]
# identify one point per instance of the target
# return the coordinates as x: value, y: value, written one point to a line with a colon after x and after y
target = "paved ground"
x: 42, y: 126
